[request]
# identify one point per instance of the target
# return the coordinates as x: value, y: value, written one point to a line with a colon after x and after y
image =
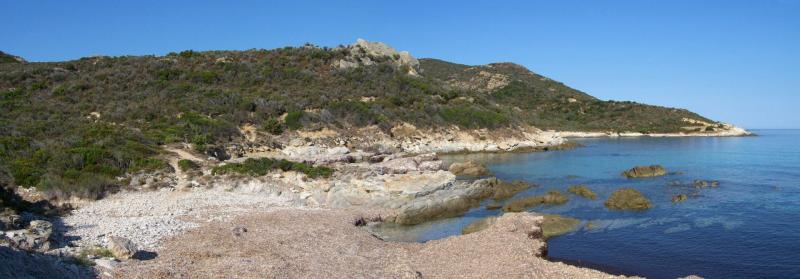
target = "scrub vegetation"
x: 75, y: 127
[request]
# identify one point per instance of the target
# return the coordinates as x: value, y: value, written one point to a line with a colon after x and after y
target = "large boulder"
x: 451, y: 202
x: 35, y: 238
x: 645, y: 171
x: 120, y: 247
x: 218, y: 152
x: 468, y: 168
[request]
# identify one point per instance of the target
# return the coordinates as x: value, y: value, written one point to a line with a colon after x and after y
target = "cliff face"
x: 75, y: 126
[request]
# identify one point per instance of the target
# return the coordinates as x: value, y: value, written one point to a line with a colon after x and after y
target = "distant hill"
x: 8, y: 58
x: 73, y: 126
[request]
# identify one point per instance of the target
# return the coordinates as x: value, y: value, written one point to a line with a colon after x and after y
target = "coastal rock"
x: 448, y: 203
x: 628, y: 199
x: 424, y: 162
x: 645, y: 171
x: 555, y: 225
x: 552, y: 198
x: 468, y: 168
x: 120, y: 247
x: 506, y: 190
x: 35, y: 238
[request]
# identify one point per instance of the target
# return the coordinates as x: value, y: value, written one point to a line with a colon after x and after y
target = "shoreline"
x: 402, y: 184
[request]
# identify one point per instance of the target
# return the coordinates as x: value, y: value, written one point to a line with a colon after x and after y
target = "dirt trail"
x: 181, y: 155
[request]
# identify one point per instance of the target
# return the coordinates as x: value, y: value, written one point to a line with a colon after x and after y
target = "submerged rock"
x: 699, y: 184
x: 552, y: 225
x: 494, y: 206
x: 628, y: 199
x: 583, y: 191
x: 478, y: 225
x: 506, y: 190
x: 555, y: 225
x: 552, y: 197
x: 679, y: 198
x: 645, y: 171
x: 469, y: 168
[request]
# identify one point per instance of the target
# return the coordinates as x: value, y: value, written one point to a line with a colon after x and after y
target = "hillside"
x: 73, y: 127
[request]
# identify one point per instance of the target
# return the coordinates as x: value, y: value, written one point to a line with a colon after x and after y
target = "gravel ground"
x: 148, y: 217
x: 322, y: 243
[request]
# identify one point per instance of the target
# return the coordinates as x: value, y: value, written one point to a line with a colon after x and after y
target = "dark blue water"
x: 748, y: 227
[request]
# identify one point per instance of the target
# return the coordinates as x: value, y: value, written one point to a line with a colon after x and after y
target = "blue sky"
x: 734, y: 61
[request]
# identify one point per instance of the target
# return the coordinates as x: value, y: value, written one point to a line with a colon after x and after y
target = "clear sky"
x: 734, y: 61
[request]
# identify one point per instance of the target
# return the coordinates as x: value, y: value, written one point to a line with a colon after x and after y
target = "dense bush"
x: 471, y: 117
x: 262, y: 166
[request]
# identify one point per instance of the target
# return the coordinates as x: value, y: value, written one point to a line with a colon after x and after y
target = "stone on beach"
x: 121, y: 247
x: 552, y: 198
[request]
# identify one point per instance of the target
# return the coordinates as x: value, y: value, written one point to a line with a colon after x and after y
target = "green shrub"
x: 273, y: 126
x: 469, y: 117
x: 293, y: 120
x: 188, y: 165
x: 262, y: 166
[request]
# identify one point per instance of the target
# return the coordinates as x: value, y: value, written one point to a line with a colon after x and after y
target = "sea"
x: 747, y: 227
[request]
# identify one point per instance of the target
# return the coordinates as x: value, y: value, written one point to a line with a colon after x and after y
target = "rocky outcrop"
x: 424, y: 162
x: 645, y: 171
x: 451, y: 202
x: 627, y: 199
x: 365, y: 53
x: 35, y: 238
x: 468, y: 168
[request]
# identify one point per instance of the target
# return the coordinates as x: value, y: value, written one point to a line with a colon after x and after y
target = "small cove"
x: 745, y: 228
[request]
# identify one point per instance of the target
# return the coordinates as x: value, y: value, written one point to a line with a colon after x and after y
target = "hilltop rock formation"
x: 365, y: 53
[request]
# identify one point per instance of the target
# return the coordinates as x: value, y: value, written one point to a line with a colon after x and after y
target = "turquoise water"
x: 748, y: 227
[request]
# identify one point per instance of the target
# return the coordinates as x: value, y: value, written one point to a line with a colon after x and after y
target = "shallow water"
x: 748, y: 227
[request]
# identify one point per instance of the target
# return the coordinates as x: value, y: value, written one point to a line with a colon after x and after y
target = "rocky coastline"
x: 380, y: 178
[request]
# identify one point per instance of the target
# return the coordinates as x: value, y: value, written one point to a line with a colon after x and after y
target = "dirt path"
x: 181, y: 155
